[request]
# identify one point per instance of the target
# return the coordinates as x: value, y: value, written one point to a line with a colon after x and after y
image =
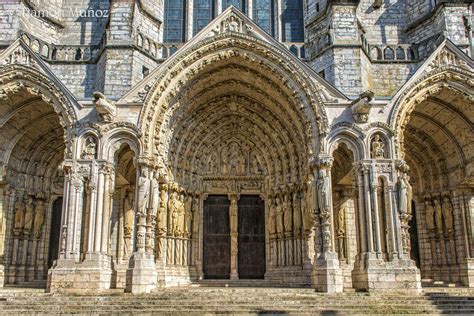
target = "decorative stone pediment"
x: 228, y: 34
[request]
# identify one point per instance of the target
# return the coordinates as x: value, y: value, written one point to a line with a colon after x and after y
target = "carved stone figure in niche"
x: 378, y: 147
x: 89, y: 151
x: 40, y: 212
x: 306, y: 208
x: 438, y: 217
x: 448, y: 215
x: 341, y: 225
x: 19, y: 214
x: 29, y: 214
x: 143, y: 192
x: 212, y: 164
x: 256, y: 167
x: 233, y: 210
x: 279, y: 216
x: 288, y: 213
x: 188, y: 216
x: 128, y: 214
x: 429, y: 216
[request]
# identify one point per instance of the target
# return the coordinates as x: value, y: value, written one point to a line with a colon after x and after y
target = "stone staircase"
x: 236, y: 301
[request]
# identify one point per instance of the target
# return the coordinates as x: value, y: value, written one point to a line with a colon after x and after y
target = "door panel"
x: 216, y: 238
x: 251, y: 237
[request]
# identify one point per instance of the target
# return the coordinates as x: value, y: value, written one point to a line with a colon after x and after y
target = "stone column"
x: 327, y: 274
x: 189, y: 29
x: 3, y: 212
x: 141, y: 274
x: 466, y: 201
x: 250, y: 8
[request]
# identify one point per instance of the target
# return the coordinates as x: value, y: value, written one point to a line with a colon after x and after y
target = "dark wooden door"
x: 55, y: 232
x: 251, y: 237
x: 216, y: 248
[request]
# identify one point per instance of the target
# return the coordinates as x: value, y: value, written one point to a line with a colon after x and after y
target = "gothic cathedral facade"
x: 309, y: 143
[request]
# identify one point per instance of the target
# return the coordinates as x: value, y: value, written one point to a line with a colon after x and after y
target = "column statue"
x: 279, y: 217
x: 180, y: 216
x: 429, y: 216
x: 448, y: 215
x: 296, y: 213
x: 288, y: 214
x: 196, y: 217
x: 188, y: 216
x: 271, y: 219
x: 438, y: 218
x: 402, y: 194
x: 128, y: 216
x: 40, y: 212
x: 29, y: 214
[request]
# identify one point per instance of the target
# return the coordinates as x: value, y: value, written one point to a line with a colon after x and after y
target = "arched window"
x: 174, y: 26
x: 400, y: 53
x: 203, y: 14
x: 239, y: 4
x: 388, y: 54
x: 292, y: 21
x: 264, y: 15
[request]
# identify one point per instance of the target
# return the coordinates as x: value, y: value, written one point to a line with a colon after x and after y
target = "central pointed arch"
x: 239, y: 86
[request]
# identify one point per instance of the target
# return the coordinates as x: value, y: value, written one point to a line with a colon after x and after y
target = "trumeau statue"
x: 40, y: 212
x: 29, y: 216
x: 233, y: 210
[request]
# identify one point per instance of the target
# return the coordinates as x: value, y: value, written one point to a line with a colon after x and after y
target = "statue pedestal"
x: 327, y: 274
x: 142, y: 276
x: 92, y: 275
x: 467, y: 272
x: 373, y: 274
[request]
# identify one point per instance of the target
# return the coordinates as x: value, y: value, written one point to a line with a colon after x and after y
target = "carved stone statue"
x: 129, y: 214
x: 448, y: 215
x: 155, y: 196
x: 402, y: 194
x: 19, y: 214
x: 105, y: 108
x: 162, y: 212
x: 288, y: 213
x: 341, y: 225
x: 172, y: 213
x: 179, y: 229
x: 271, y: 219
x: 323, y: 192
x: 196, y: 217
x: 438, y: 217
x: 188, y: 216
x: 233, y: 210
x: 90, y: 150
x: 29, y: 214
x: 429, y: 216
x: 279, y: 216
x: 296, y: 213
x: 40, y: 213
x: 143, y: 192
x: 378, y: 148
x: 256, y: 168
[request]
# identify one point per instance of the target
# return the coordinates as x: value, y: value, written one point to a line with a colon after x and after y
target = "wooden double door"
x: 217, y: 237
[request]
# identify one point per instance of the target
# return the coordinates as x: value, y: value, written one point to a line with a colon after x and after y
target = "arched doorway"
x: 240, y: 124
x: 32, y: 147
x: 436, y: 143
x: 55, y: 232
